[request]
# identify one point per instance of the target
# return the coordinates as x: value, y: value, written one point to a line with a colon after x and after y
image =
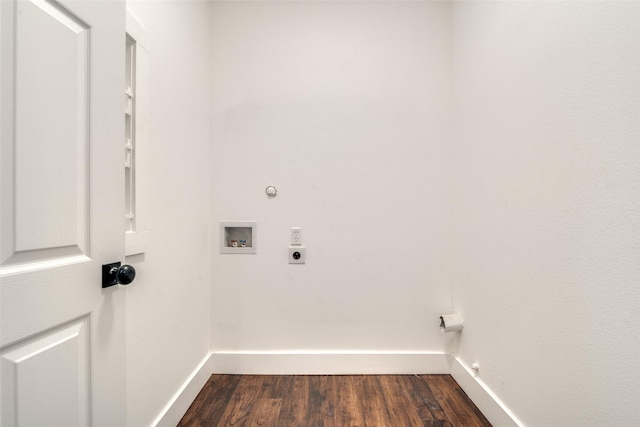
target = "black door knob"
x: 117, y: 274
x: 125, y: 274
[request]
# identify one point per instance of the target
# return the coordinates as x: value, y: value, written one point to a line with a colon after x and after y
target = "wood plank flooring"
x: 332, y: 401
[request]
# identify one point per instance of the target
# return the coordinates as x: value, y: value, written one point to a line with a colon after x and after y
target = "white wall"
x: 168, y: 304
x: 344, y: 107
x: 547, y: 224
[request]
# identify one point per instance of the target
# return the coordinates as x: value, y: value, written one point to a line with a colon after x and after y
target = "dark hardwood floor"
x: 328, y: 400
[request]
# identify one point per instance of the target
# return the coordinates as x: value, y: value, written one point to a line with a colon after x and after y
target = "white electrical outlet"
x: 296, y: 236
x: 297, y: 254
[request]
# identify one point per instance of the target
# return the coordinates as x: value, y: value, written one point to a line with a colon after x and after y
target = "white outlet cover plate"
x: 303, y: 254
x: 296, y: 236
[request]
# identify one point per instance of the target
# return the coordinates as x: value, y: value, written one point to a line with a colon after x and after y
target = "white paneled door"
x: 62, y: 343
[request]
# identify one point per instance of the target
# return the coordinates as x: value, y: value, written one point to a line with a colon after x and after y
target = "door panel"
x: 43, y: 396
x: 61, y: 202
x: 57, y: 148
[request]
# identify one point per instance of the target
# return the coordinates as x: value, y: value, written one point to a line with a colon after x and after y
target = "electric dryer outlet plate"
x: 297, y: 254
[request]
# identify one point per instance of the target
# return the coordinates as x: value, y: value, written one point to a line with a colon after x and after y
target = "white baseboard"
x: 184, y: 397
x: 489, y: 404
x: 330, y: 362
x: 336, y: 363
